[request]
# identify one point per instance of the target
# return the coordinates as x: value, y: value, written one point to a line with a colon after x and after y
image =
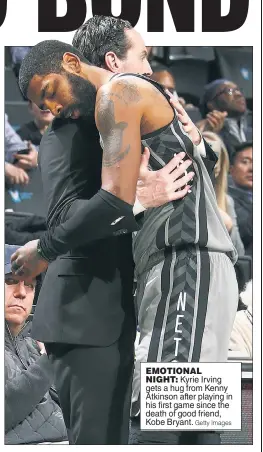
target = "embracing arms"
x: 118, y: 118
x: 111, y: 209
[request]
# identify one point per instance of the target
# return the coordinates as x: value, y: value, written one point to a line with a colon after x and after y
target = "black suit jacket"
x: 86, y: 297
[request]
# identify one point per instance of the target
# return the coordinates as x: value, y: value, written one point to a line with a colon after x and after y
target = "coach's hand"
x: 187, y: 123
x: 27, y: 263
x: 170, y: 183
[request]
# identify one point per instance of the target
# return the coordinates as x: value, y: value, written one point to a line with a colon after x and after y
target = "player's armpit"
x: 118, y: 118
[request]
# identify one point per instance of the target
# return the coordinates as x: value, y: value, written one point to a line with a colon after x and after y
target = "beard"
x: 83, y: 95
x: 232, y: 108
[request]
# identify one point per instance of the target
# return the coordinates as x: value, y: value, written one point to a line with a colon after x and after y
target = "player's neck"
x: 97, y: 76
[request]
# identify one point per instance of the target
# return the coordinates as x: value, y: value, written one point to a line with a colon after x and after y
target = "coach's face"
x: 66, y: 95
x: 136, y: 60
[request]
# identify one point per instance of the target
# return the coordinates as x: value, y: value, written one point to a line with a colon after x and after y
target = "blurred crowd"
x: 222, y: 115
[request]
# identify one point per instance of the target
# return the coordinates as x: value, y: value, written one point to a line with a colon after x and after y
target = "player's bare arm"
x: 119, y: 110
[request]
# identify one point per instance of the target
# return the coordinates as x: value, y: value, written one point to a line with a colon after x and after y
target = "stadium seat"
x: 12, y: 91
x: 170, y: 53
x: 236, y: 64
x: 17, y: 112
x: 174, y: 52
x: 191, y: 75
x: 27, y: 198
x: 157, y: 66
x: 201, y: 52
x: 243, y: 268
x: 194, y: 114
x: 8, y: 57
x: 158, y: 53
x: 167, y: 54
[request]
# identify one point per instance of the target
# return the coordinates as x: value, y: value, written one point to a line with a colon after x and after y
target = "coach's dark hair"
x: 102, y: 34
x: 44, y: 58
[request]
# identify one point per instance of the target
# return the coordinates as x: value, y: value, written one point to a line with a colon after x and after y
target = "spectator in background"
x: 17, y: 55
x: 241, y: 336
x: 224, y: 96
x: 16, y: 164
x: 13, y: 143
x: 21, y: 229
x: 15, y: 175
x: 33, y: 131
x: 23, y: 187
x: 224, y: 201
x: 32, y: 413
x: 241, y: 190
x: 214, y: 120
x: 166, y: 79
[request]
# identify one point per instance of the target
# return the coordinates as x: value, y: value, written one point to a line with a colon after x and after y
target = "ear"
x: 71, y: 63
x: 112, y: 62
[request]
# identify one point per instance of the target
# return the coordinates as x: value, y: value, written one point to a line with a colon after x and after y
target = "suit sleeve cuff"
x: 138, y: 207
x: 201, y: 147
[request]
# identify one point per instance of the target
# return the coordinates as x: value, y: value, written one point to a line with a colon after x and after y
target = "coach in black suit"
x: 86, y: 298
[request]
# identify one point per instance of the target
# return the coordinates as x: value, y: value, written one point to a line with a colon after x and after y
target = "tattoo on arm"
x: 128, y: 91
x: 111, y: 133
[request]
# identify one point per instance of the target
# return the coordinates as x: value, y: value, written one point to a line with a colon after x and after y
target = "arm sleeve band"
x: 201, y: 148
x: 104, y: 215
x: 138, y: 207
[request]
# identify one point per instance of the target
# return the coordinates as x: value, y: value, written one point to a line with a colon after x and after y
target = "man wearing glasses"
x: 225, y: 96
x: 32, y: 413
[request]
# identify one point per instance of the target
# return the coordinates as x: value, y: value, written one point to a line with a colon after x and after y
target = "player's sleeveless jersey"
x: 192, y: 221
